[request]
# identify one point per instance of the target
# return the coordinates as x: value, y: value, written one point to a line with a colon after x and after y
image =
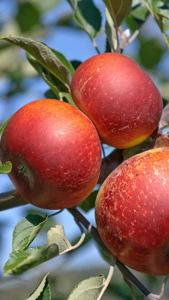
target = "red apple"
x: 119, y: 97
x: 55, y: 152
x: 132, y: 212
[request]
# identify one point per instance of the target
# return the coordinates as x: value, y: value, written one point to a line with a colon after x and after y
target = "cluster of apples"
x: 55, y: 150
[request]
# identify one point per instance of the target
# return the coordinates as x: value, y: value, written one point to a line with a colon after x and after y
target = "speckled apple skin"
x: 119, y: 97
x: 132, y: 212
x: 55, y: 151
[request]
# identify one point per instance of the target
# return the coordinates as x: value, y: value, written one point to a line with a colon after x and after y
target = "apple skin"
x: 55, y: 151
x: 119, y: 97
x: 132, y: 212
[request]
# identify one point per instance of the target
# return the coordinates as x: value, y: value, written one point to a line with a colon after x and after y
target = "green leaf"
x: 26, y: 231
x: 2, y: 127
x: 66, y: 97
x: 28, y: 16
x: 155, y: 8
x: 6, y: 167
x: 118, y: 9
x: 55, y: 64
x: 89, y: 202
x: 50, y: 94
x: 55, y: 85
x: 64, y: 61
x: 140, y: 13
x: 87, y: 16
x: 56, y: 235
x: 20, y: 261
x: 150, y: 52
x: 42, y: 292
x: 88, y: 289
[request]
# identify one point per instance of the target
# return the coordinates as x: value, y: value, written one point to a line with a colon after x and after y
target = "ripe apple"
x: 132, y: 212
x: 55, y: 151
x: 119, y: 97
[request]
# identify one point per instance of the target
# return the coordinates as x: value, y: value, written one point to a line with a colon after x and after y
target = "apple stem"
x: 95, y: 46
x: 107, y: 281
x: 79, y: 217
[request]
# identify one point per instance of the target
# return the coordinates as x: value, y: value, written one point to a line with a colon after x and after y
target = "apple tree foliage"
x: 122, y: 22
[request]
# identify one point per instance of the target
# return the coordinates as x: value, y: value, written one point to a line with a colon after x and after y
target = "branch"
x: 10, y: 200
x: 125, y: 271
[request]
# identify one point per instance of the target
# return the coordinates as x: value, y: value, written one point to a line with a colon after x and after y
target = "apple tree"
x: 97, y: 143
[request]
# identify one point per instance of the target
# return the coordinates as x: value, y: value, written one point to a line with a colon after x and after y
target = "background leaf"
x: 156, y: 9
x: 88, y: 289
x: 89, y: 202
x: 42, y: 292
x: 28, y: 16
x: 87, y: 16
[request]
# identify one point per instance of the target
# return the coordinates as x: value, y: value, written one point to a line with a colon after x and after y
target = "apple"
x: 55, y: 152
x: 132, y: 212
x: 119, y: 97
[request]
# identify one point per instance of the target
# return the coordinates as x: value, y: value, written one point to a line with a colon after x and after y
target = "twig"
x: 103, y: 151
x: 126, y: 273
x: 95, y: 46
x: 158, y: 297
x: 107, y: 281
x: 10, y: 200
x: 77, y: 245
x: 131, y: 287
x: 55, y: 213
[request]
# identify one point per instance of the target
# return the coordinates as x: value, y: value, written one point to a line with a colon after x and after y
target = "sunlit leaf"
x: 88, y: 289
x: 56, y: 235
x: 5, y: 167
x: 26, y: 231
x: 20, y: 261
x: 54, y: 63
x: 42, y: 292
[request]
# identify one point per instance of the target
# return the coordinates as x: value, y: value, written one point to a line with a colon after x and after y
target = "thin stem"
x: 163, y: 287
x: 107, y: 281
x: 95, y: 46
x: 103, y: 151
x: 116, y: 31
x: 126, y: 273
x: 55, y: 213
x: 77, y: 245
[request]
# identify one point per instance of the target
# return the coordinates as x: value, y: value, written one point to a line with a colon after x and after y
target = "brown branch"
x: 10, y: 200
x: 125, y: 271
